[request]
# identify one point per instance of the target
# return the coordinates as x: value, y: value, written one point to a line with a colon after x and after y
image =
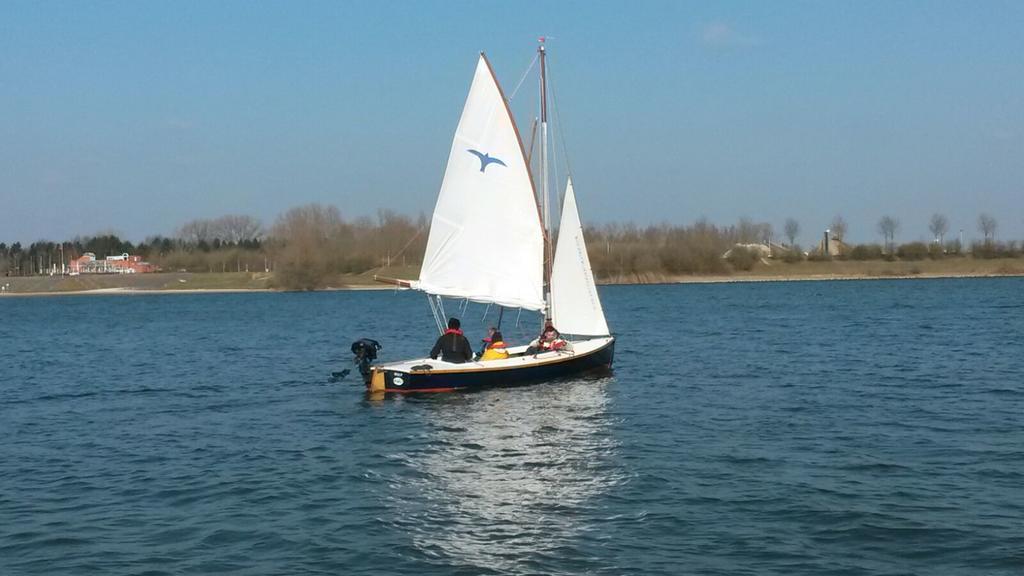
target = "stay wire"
x: 523, y: 79
x: 433, y: 311
x: 407, y: 244
x: 558, y: 123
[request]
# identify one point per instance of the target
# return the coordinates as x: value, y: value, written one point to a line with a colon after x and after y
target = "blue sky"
x: 138, y: 116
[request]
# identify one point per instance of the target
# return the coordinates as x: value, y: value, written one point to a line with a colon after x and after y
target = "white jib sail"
x: 486, y: 242
x: 575, y: 306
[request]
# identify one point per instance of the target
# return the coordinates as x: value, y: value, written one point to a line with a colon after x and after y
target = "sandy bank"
x: 146, y: 291
x: 708, y: 279
x: 773, y: 271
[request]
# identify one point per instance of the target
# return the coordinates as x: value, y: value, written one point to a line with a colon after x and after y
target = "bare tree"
x: 838, y: 229
x: 307, y: 243
x: 792, y: 230
x: 987, y: 226
x: 395, y: 235
x: 888, y: 226
x: 745, y: 231
x: 230, y: 229
x: 196, y: 231
x: 236, y: 228
x: 938, y: 227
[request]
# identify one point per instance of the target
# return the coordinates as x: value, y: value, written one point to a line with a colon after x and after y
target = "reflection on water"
x: 180, y: 434
x: 505, y: 473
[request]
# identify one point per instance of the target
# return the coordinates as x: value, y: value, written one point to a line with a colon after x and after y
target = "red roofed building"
x: 123, y: 264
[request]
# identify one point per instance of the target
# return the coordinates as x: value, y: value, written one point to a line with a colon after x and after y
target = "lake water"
x: 867, y: 427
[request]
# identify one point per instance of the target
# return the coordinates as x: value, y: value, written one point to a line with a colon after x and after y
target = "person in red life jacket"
x: 549, y: 339
x: 485, y: 342
x: 452, y: 345
x: 496, y: 349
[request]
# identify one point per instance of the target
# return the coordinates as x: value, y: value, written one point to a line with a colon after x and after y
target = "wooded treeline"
x: 304, y: 247
x: 309, y: 246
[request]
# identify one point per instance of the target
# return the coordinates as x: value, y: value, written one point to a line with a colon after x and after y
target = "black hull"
x: 444, y: 381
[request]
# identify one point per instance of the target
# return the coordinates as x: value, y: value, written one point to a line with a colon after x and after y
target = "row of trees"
x: 889, y: 226
x: 312, y: 243
x: 44, y: 256
x: 938, y: 225
x: 306, y: 247
x: 175, y: 253
x: 627, y: 251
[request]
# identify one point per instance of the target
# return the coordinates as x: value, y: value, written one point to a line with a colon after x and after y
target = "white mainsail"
x: 486, y: 242
x: 575, y: 306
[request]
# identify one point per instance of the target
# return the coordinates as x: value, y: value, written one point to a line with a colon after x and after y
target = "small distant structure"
x: 831, y: 245
x: 118, y: 264
x: 762, y: 250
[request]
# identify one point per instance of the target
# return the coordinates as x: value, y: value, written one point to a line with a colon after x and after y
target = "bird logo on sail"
x: 485, y: 159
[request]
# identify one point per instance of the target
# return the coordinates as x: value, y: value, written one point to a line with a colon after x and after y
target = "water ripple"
x: 793, y: 428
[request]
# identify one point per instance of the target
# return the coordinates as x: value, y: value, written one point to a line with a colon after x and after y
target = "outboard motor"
x: 365, y: 350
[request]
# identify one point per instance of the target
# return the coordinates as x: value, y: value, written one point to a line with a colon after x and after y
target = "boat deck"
x: 516, y: 359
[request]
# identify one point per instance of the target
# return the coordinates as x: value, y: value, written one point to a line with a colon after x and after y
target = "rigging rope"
x: 558, y: 122
x: 414, y: 236
x: 521, y: 332
x: 433, y: 310
x: 523, y: 79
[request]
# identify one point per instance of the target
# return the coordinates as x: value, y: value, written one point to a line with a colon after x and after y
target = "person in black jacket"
x: 452, y: 345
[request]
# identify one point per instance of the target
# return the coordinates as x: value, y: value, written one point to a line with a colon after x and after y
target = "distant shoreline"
x: 148, y: 291
x: 52, y: 286
x: 132, y: 292
x: 814, y: 278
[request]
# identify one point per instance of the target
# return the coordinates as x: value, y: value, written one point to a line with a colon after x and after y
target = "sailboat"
x: 488, y: 198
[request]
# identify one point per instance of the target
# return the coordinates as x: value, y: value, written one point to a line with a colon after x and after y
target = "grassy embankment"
x: 180, y: 282
x: 849, y: 269
x: 113, y: 283
x: 772, y: 271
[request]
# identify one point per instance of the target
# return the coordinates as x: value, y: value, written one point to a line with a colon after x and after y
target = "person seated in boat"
x: 452, y: 345
x: 496, y: 349
x: 549, y: 339
x: 486, y: 341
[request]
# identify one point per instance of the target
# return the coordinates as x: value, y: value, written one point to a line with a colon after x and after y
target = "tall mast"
x: 545, y: 203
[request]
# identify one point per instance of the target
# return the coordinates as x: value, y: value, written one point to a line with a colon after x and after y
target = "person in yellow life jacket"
x: 496, y: 349
x: 485, y: 342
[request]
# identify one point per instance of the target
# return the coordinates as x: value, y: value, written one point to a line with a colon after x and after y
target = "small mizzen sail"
x: 486, y: 241
x: 575, y: 306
